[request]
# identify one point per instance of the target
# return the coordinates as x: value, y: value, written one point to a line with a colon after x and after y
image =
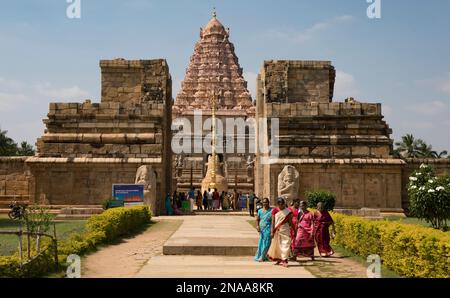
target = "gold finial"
x: 214, y: 14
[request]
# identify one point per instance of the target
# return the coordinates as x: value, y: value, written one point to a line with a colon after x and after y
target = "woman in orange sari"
x: 280, y: 247
x: 304, y: 240
x: 322, y: 231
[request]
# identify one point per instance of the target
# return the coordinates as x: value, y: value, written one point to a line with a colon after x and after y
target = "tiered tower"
x: 213, y: 66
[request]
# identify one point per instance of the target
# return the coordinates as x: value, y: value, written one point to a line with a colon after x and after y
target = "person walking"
x: 210, y: 199
x: 191, y: 197
x: 280, y: 247
x: 198, y: 200
x: 205, y: 200
x: 263, y: 225
x: 322, y: 231
x: 304, y: 240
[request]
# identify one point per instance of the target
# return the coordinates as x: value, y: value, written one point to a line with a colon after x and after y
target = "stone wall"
x: 343, y: 147
x: 134, y: 81
x: 15, y: 180
x: 298, y: 81
x: 441, y: 167
x: 86, y: 147
x: 86, y: 181
x: 369, y: 183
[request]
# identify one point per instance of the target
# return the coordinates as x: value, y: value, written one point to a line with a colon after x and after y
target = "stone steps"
x: 213, y: 236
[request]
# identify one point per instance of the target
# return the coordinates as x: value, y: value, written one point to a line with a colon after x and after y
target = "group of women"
x: 286, y: 233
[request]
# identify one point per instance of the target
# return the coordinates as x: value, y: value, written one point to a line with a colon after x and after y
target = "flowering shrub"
x: 429, y: 196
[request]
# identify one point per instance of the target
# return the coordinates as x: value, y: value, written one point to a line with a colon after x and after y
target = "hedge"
x: 409, y: 250
x: 100, y: 229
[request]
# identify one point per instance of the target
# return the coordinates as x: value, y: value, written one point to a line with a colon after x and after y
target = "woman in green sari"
x: 264, y: 222
x: 169, y: 209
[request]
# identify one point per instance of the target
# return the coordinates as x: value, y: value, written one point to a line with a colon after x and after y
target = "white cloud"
x: 444, y: 85
x: 15, y: 94
x: 429, y: 108
x: 250, y: 77
x: 345, y: 86
x: 306, y: 34
x: 72, y: 93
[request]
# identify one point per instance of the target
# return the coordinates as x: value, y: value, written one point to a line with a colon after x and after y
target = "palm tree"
x: 409, y: 147
x: 7, y: 145
x: 25, y: 149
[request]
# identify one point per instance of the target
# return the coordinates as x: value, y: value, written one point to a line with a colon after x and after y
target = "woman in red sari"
x: 304, y: 241
x: 295, y: 209
x: 322, y: 231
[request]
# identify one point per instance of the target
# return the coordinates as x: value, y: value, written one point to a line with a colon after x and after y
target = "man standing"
x: 191, y: 196
x: 251, y: 204
x: 210, y: 199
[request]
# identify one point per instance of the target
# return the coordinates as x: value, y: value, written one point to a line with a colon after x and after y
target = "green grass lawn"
x: 408, y: 220
x: 9, y: 243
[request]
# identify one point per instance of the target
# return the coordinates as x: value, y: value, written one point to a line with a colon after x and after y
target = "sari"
x: 322, y: 233
x: 304, y: 242
x: 280, y: 247
x: 169, y: 209
x: 265, y: 222
x: 295, y: 213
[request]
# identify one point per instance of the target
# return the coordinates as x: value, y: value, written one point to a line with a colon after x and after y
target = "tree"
x: 429, y: 196
x: 409, y: 147
x: 25, y: 149
x: 7, y: 145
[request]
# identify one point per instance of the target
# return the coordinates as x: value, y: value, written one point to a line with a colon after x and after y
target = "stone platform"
x: 213, y: 235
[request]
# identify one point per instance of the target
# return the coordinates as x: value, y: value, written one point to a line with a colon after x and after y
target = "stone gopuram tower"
x: 214, y: 67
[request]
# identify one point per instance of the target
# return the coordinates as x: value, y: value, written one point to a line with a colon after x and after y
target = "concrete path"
x: 214, y: 246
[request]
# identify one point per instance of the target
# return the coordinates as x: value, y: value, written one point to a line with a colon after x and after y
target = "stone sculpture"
x: 288, y: 183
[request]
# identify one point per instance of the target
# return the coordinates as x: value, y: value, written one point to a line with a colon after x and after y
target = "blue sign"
x: 128, y: 194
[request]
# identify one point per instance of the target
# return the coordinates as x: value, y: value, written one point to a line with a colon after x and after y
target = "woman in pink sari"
x: 322, y: 231
x: 295, y: 212
x: 280, y: 247
x: 304, y: 240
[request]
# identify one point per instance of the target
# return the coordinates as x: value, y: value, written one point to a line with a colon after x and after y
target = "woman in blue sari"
x: 169, y: 209
x: 264, y: 221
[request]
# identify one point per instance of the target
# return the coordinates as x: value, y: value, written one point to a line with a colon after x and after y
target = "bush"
x: 409, y: 250
x: 106, y: 227
x: 429, y: 196
x: 100, y: 229
x: 327, y: 198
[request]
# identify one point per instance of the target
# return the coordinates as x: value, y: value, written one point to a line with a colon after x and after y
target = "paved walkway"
x: 214, y: 246
x: 213, y: 235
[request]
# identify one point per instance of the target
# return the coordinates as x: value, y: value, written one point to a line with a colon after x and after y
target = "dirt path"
x: 340, y: 265
x: 126, y: 258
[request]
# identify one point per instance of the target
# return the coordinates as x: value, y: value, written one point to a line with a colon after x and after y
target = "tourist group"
x: 289, y: 232
x: 180, y: 203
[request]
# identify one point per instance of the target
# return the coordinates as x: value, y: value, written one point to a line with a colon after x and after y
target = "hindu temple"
x: 340, y: 146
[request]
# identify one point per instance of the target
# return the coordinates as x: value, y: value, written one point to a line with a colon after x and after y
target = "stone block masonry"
x: 86, y: 147
x: 343, y: 147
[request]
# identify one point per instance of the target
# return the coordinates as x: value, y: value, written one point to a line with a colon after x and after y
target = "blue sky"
x: 401, y: 60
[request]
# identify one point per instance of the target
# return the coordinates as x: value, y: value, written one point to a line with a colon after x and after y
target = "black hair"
x: 281, y: 201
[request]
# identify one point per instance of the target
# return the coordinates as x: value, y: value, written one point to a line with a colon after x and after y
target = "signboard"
x: 128, y: 194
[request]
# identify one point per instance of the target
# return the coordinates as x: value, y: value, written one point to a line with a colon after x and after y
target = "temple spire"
x: 214, y: 14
